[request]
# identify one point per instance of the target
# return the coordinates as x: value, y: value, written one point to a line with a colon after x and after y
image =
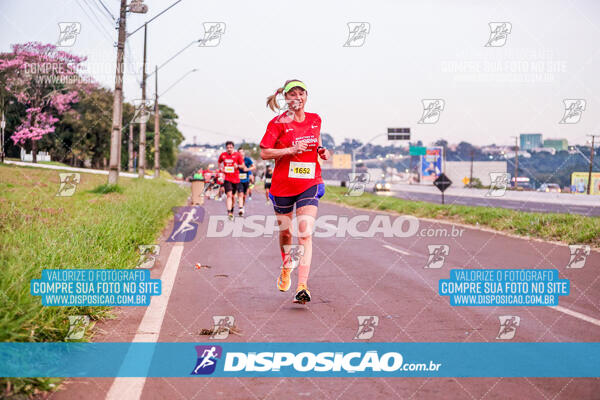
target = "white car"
x: 549, y: 187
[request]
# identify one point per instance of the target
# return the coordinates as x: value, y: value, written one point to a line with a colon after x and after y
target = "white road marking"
x: 396, y: 250
x: 557, y: 308
x: 576, y: 315
x: 148, y: 331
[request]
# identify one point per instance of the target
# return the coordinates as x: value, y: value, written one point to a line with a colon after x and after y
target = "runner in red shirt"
x: 293, y: 139
x: 231, y: 160
x: 220, y: 181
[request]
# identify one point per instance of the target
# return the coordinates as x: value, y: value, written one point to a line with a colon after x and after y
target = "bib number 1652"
x: 303, y: 170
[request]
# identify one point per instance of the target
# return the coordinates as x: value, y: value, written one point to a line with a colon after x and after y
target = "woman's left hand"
x: 323, y: 153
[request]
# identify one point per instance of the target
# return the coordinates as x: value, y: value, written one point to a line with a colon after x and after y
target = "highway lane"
x: 520, y: 205
x: 351, y: 277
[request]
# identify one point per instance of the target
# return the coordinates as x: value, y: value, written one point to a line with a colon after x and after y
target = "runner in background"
x: 231, y: 161
x: 220, y: 176
x: 251, y: 186
x: 293, y: 139
x: 267, y: 176
x: 244, y: 184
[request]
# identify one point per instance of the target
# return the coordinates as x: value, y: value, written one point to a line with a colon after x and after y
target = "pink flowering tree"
x: 46, y: 81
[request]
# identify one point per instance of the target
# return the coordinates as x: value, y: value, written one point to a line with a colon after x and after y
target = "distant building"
x: 530, y: 141
x: 550, y: 150
x: 338, y: 161
x: 557, y: 144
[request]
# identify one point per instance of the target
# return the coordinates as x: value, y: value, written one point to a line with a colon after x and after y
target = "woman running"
x: 293, y: 139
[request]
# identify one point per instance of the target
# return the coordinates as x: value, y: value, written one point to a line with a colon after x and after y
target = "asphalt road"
x: 529, y: 205
x: 350, y: 277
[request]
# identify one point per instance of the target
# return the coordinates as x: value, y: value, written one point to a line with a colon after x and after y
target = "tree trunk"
x: 34, y: 151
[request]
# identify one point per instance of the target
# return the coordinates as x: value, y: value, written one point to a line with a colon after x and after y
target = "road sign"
x: 417, y: 151
x: 398, y: 133
x: 442, y: 182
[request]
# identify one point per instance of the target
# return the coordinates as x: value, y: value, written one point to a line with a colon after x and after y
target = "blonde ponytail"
x: 272, y: 100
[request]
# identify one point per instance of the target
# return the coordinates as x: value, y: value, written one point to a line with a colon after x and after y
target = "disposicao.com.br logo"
x: 326, y: 226
x: 312, y: 362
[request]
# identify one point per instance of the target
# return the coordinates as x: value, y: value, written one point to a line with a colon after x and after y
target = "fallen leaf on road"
x: 233, y: 329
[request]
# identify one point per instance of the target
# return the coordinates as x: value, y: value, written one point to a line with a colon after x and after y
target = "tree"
x: 327, y: 141
x: 43, y: 79
x: 463, y: 151
x: 441, y: 143
x: 80, y: 136
x: 187, y: 164
x: 350, y: 144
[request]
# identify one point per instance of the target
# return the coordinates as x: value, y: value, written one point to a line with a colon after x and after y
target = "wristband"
x: 320, y: 147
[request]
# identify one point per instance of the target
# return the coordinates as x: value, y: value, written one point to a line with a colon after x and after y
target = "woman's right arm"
x: 268, y: 154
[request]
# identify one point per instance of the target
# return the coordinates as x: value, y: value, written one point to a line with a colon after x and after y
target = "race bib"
x: 303, y: 170
x: 229, y: 170
x: 243, y: 175
x: 268, y: 180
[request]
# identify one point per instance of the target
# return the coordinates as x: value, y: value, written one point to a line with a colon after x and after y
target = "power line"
x: 210, y: 131
x: 96, y: 16
x: 107, y: 10
x: 130, y: 63
x: 92, y: 21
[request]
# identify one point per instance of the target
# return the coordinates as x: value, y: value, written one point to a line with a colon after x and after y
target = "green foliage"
x: 39, y: 230
x: 105, y: 188
x: 82, y: 136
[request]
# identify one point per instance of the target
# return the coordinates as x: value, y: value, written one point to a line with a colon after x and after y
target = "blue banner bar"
x: 225, y: 359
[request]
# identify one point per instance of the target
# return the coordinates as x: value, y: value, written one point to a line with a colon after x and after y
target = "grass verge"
x: 97, y: 227
x: 567, y: 228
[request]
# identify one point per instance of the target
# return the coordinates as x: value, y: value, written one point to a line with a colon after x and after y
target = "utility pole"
x: 589, y: 185
x: 516, y: 162
x: 156, y: 126
x: 120, y: 135
x: 142, y: 151
x: 2, y: 126
x: 115, y: 135
x: 130, y: 149
x: 471, y: 178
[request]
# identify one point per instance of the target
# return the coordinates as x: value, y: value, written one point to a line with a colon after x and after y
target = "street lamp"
x: 172, y: 57
x: 157, y: 119
x: 178, y: 80
x: 138, y: 7
x: 156, y: 116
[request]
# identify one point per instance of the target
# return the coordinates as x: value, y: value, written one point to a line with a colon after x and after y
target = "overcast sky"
x: 412, y: 52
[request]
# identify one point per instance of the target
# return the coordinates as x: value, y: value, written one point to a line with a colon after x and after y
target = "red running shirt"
x: 293, y: 174
x: 231, y: 162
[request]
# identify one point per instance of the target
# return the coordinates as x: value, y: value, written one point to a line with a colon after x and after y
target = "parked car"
x: 549, y: 187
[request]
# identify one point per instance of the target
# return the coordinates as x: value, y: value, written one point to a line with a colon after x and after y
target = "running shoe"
x: 285, y: 280
x: 302, y: 294
x: 230, y: 215
x: 241, y: 213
